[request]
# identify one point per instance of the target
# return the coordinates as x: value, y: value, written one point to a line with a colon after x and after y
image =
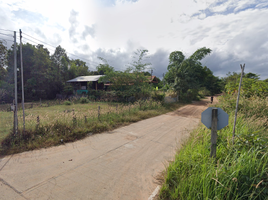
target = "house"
x: 82, y: 84
x: 152, y: 79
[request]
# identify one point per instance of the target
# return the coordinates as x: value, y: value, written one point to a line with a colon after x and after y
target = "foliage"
x: 3, y: 60
x: 104, y: 68
x: 158, y: 96
x: 131, y: 82
x: 238, y: 172
x: 68, y: 89
x: 186, y: 75
x: 84, y: 100
x: 60, y: 124
x: 67, y: 103
x: 251, y: 85
x: 45, y: 75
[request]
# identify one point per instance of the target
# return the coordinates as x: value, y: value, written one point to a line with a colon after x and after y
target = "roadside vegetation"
x: 133, y: 94
x: 59, y: 124
x: 240, y: 170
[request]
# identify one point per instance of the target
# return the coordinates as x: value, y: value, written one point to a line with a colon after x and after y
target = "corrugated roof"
x: 85, y: 78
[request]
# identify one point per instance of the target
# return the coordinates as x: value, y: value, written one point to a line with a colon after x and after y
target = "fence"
x: 37, y: 114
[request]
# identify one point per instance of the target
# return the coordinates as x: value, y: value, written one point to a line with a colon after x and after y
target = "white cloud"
x: 234, y: 29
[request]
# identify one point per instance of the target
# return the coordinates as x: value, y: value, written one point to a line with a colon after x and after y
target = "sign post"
x: 214, y: 135
x: 214, y: 119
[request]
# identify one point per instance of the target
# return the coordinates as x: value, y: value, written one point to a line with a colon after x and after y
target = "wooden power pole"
x: 237, y: 102
x: 16, y: 89
x: 22, y: 84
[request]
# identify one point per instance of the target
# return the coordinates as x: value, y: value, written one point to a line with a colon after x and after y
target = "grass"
x: 240, y: 171
x: 56, y: 125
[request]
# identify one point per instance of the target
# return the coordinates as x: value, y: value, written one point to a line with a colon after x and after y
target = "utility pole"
x: 16, y: 89
x: 151, y: 78
x: 163, y: 79
x: 242, y: 72
x: 22, y: 84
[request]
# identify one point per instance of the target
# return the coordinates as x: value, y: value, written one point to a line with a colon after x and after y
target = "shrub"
x: 158, y: 96
x: 67, y: 103
x: 84, y: 100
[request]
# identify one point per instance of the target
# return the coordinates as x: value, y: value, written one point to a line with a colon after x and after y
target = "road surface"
x: 121, y: 164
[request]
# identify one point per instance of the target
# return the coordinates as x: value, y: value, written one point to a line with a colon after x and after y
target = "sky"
x: 235, y: 30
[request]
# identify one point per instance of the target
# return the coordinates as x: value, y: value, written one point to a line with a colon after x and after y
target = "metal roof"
x: 85, y: 78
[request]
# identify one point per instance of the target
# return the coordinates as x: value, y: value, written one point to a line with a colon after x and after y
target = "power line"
x: 7, y: 40
x: 6, y: 34
x: 39, y: 40
x: 54, y: 50
x: 6, y: 30
x: 89, y: 61
x: 30, y: 40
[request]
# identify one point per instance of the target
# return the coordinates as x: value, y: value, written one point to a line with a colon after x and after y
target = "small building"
x: 82, y: 84
x: 152, y: 79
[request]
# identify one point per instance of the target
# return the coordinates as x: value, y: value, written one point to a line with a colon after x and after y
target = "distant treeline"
x: 45, y: 75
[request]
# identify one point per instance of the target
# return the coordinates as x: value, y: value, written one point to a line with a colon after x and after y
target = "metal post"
x: 16, y: 89
x: 22, y: 84
x: 98, y: 112
x: 237, y: 102
x: 214, y: 132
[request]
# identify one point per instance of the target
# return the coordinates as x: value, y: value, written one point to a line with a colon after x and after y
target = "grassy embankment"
x: 240, y: 171
x: 66, y: 123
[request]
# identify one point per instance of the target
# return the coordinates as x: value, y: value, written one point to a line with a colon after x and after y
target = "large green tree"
x: 131, y: 82
x: 187, y: 75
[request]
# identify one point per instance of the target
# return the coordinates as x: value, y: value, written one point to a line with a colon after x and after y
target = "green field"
x: 57, y: 124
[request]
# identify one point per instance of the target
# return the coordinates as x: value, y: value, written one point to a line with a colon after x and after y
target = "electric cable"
x: 6, y: 30
x: 6, y: 34
x: 89, y: 61
x: 7, y: 39
x: 91, y: 68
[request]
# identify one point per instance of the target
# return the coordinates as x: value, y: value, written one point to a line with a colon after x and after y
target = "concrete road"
x: 122, y: 164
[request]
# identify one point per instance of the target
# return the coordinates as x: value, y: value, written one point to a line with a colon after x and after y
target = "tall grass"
x: 63, y: 123
x: 240, y: 171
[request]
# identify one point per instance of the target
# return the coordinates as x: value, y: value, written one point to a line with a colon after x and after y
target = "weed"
x: 67, y: 103
x: 64, y: 123
x: 240, y: 171
x: 84, y: 100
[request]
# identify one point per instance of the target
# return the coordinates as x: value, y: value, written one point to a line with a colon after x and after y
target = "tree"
x: 3, y: 60
x: 252, y: 76
x: 131, y: 82
x: 60, y: 63
x: 104, y: 68
x: 137, y: 64
x: 3, y: 71
x: 186, y: 75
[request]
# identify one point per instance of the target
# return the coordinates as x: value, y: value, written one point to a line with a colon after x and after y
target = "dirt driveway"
x: 121, y: 164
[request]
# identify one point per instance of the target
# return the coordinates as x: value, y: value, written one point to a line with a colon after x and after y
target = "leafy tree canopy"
x: 188, y: 75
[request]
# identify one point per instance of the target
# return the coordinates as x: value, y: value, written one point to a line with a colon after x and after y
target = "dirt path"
x: 121, y: 164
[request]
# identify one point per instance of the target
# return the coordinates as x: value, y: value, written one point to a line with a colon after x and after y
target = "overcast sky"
x: 235, y: 30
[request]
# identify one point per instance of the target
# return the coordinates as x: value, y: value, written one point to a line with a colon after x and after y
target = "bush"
x: 67, y: 103
x: 84, y: 100
x: 204, y: 92
x: 158, y: 96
